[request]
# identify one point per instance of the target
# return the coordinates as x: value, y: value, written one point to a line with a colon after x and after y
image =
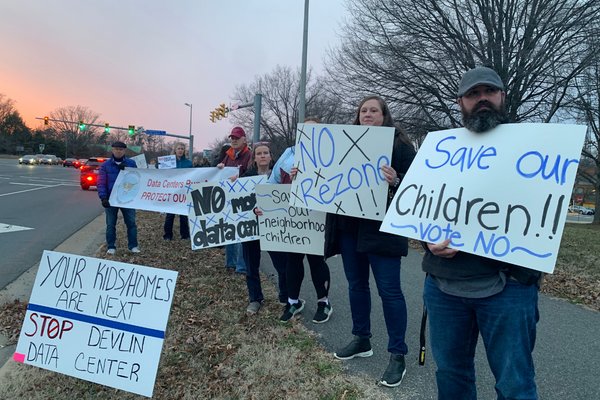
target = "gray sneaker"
x: 253, y: 307
x: 358, y: 347
x: 395, y: 371
x: 112, y: 252
x: 135, y: 250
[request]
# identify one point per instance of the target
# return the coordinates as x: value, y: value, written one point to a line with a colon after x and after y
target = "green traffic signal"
x: 81, y: 126
x: 106, y: 128
x: 131, y: 130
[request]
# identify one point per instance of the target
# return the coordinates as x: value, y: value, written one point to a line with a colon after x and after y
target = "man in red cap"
x: 238, y: 155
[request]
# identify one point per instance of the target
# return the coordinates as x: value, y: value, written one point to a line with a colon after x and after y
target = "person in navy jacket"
x: 107, y: 175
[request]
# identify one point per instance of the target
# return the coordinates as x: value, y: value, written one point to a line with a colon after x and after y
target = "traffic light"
x: 106, y: 127
x: 81, y: 126
x: 222, y: 110
x: 131, y: 130
x: 45, y: 120
x: 212, y: 116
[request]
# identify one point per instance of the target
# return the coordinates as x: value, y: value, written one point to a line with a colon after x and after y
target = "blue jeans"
x: 386, y: 271
x: 507, y: 324
x: 234, y: 257
x: 111, y: 226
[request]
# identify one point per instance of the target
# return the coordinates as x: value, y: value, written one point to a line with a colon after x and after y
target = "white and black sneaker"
x: 394, y: 372
x: 358, y: 347
x: 323, y: 313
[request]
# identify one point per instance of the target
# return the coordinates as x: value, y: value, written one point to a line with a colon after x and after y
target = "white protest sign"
x: 287, y: 228
x: 339, y: 169
x: 167, y: 162
x: 140, y: 161
x: 164, y: 190
x: 99, y: 320
x: 222, y: 213
x: 502, y: 194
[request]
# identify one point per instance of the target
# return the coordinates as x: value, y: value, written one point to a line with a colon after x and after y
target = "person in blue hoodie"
x: 184, y: 230
x: 107, y: 175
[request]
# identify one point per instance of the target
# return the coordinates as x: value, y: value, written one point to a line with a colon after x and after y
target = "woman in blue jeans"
x: 363, y: 248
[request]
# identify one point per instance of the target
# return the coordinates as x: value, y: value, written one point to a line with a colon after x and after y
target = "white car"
x: 28, y: 160
x: 582, y: 210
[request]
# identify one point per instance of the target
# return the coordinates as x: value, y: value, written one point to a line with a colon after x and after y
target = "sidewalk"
x: 85, y: 242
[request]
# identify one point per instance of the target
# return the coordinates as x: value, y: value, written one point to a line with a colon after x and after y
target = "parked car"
x: 69, y: 162
x: 49, y: 159
x: 89, y: 172
x: 582, y: 210
x: 39, y: 158
x: 28, y: 160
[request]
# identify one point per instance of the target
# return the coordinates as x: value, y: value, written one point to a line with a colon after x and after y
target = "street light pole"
x: 302, y: 106
x: 191, y: 137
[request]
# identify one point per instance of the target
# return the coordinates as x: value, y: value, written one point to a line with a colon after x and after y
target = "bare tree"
x: 587, y: 109
x: 280, y: 101
x: 67, y: 125
x: 413, y: 53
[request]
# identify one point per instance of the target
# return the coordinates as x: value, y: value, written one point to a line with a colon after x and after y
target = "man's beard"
x: 484, y: 120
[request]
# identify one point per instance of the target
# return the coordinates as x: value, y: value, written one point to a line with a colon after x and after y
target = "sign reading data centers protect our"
x: 99, y: 320
x: 502, y: 194
x: 339, y: 169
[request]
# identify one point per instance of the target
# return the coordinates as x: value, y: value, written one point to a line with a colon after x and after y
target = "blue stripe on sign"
x: 97, y: 321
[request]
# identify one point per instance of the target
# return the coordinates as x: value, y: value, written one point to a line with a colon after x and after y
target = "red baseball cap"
x: 237, y: 132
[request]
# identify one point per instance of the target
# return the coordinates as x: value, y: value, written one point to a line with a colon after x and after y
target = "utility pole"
x: 302, y: 106
x: 191, y: 137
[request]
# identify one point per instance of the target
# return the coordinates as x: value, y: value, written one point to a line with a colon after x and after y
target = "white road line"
x: 28, y: 190
x: 4, y: 228
x: 28, y: 184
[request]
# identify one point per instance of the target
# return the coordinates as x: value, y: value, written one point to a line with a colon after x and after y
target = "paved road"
x: 567, y: 354
x: 48, y: 199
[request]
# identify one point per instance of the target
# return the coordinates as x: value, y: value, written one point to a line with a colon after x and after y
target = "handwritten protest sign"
x: 140, y: 161
x: 502, y: 194
x: 162, y: 190
x: 222, y: 213
x: 167, y: 162
x: 339, y: 169
x: 99, y: 320
x: 287, y: 228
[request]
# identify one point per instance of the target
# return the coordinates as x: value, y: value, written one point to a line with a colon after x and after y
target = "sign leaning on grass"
x: 502, y: 194
x: 287, y: 228
x: 222, y: 213
x: 339, y: 169
x: 99, y: 320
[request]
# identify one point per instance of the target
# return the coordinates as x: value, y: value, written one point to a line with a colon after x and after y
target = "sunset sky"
x: 136, y: 62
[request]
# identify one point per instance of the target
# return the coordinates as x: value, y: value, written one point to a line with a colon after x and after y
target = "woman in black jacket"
x: 362, y: 245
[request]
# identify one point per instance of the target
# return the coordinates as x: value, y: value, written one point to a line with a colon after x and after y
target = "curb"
x: 85, y: 242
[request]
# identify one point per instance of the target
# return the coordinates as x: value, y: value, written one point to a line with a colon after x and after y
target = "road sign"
x: 154, y: 132
x: 42, y: 147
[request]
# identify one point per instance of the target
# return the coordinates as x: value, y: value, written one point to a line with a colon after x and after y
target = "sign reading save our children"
x: 222, y: 212
x: 339, y: 169
x: 99, y: 320
x: 501, y: 194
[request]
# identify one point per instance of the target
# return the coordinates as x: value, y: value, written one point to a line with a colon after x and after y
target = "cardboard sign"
x: 167, y: 162
x: 339, y: 169
x: 140, y: 161
x: 162, y: 190
x: 222, y: 213
x: 287, y: 228
x: 98, y: 320
x: 501, y: 194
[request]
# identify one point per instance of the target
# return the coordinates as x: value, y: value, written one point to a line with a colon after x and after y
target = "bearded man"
x: 467, y: 295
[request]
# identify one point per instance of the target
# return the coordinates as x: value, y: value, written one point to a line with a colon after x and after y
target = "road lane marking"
x: 5, y: 228
x: 28, y: 190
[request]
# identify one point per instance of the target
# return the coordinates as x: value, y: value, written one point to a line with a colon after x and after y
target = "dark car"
x: 69, y: 162
x: 89, y: 172
x: 28, y: 160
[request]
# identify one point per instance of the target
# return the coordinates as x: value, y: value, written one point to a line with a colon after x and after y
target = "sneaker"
x: 323, y: 312
x: 135, y: 250
x: 291, y: 310
x: 358, y: 347
x: 112, y: 252
x: 253, y: 307
x: 394, y: 372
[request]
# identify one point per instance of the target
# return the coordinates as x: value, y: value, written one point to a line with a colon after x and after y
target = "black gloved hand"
x: 122, y: 166
x: 105, y: 203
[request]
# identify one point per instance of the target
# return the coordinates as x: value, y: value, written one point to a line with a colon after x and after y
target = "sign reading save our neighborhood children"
x: 99, y: 320
x: 502, y: 194
x: 222, y: 212
x: 339, y: 169
x: 287, y: 228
